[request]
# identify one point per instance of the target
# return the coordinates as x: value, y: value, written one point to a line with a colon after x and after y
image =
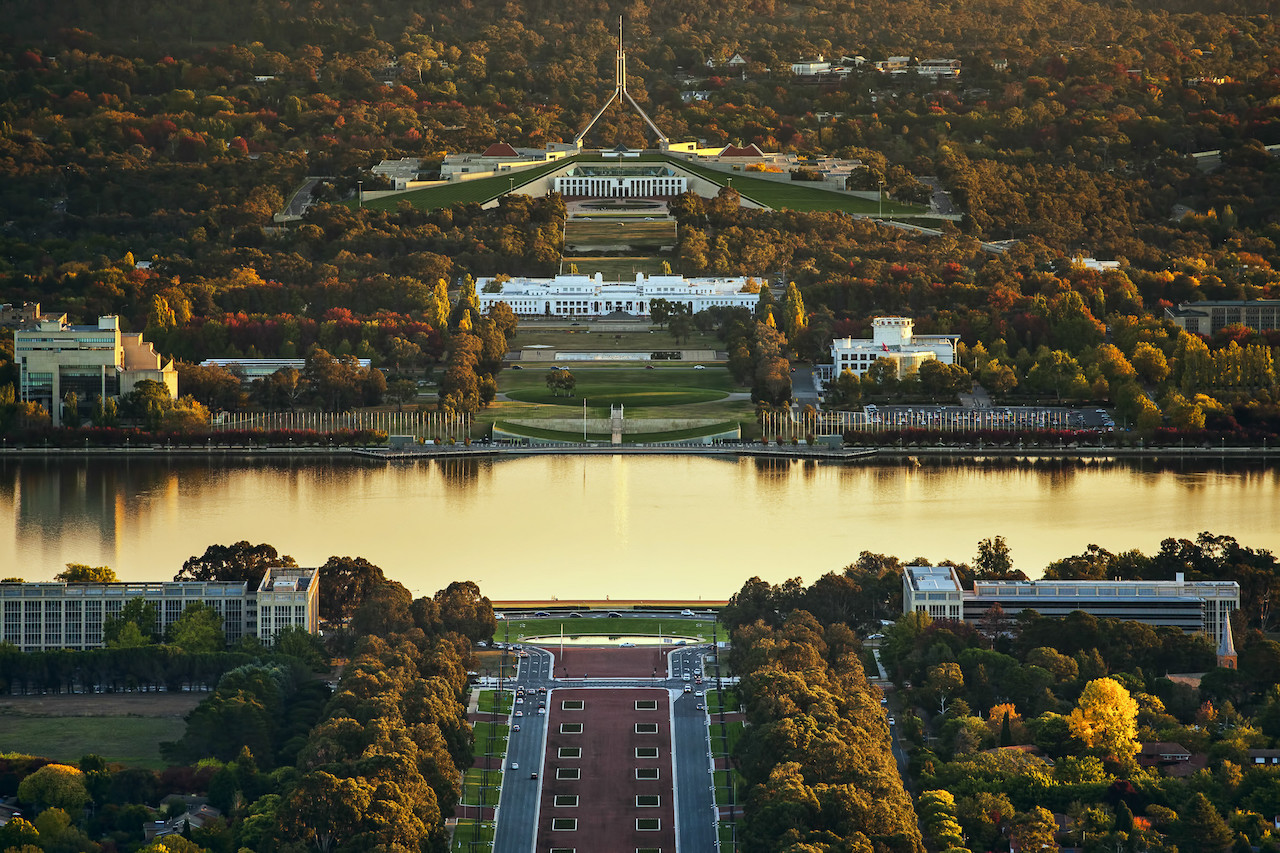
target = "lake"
x: 619, y: 526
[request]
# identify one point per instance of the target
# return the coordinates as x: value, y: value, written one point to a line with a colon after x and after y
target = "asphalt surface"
x: 519, y: 803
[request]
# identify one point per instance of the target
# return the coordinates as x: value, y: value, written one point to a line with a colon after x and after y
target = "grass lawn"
x: 490, y: 661
x: 796, y: 195
x: 635, y: 388
x: 482, y: 730
x: 489, y: 702
x: 445, y: 195
x: 726, y: 743
x: 593, y: 337
x: 528, y: 431
x: 470, y: 831
x: 614, y: 269
x: 473, y: 787
x: 637, y: 625
x: 723, y: 779
x: 730, y: 700
x: 727, y: 836
x: 134, y: 741
x: 608, y: 232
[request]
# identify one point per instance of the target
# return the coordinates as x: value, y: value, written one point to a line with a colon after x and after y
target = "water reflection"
x: 590, y: 527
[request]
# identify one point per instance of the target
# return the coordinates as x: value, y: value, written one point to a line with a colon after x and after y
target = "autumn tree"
x: 1105, y: 718
x: 57, y: 786
x: 80, y: 573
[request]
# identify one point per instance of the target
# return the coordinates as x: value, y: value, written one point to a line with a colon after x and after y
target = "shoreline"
x: 802, y: 452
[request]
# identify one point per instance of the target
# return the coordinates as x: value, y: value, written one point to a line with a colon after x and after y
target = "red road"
x: 606, y: 810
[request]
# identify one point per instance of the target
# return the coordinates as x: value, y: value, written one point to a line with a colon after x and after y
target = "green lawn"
x: 482, y: 730
x: 730, y: 700
x: 472, y: 835
x: 446, y: 195
x: 796, y: 195
x: 134, y: 741
x: 528, y: 431
x: 598, y: 337
x: 473, y: 788
x: 727, y: 836
x: 723, y: 778
x: 635, y: 388
x: 488, y: 702
x: 726, y: 743
x: 636, y: 625
x: 589, y: 232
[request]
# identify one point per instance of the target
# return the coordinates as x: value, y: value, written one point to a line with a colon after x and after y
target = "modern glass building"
x: 38, y: 617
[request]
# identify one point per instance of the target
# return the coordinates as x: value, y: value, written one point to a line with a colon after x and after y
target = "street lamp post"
x: 359, y: 194
x: 584, y: 420
x: 881, y: 199
x: 511, y: 185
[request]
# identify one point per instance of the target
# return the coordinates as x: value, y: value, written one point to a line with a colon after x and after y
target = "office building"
x: 1193, y: 606
x: 55, y: 357
x: 38, y: 617
x: 1206, y: 318
x: 584, y: 295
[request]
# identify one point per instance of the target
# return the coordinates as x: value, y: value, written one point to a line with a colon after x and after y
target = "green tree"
x: 239, y: 561
x: 793, y: 314
x: 327, y: 811
x: 197, y: 630
x: 58, y: 786
x: 143, y: 615
x: 80, y: 573
x: 1035, y: 830
x: 1150, y: 363
x: 1201, y: 828
x: 994, y: 561
x: 659, y: 311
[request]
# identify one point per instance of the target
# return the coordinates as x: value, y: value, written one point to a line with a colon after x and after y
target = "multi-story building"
x: 1206, y: 318
x: 1193, y: 606
x: 55, y: 357
x: 892, y: 338
x: 631, y: 180
x: 575, y: 295
x: 42, y: 616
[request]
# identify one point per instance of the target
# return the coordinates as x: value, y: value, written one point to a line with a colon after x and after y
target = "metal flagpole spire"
x: 621, y: 94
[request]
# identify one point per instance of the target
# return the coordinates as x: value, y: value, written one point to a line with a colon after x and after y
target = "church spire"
x: 1227, y: 647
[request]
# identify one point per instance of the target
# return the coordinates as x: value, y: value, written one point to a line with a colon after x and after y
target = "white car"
x: 515, y: 765
x: 699, y: 367
x: 689, y: 612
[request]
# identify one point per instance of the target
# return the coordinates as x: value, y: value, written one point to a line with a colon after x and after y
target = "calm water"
x: 625, y: 527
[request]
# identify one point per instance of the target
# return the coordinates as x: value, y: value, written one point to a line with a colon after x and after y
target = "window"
x: 646, y: 728
x: 568, y: 773
x: 646, y: 752
x: 566, y: 801
x: 648, y: 801
x: 646, y: 773
x: 571, y: 728
x: 570, y: 752
x: 646, y: 704
x: 564, y: 824
x: 648, y: 824
x: 572, y: 705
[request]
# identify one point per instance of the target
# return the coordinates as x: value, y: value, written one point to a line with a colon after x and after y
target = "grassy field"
x: 796, y: 195
x: 474, y: 793
x: 730, y: 700
x: 488, y: 701
x: 633, y: 387
x: 482, y: 730
x: 472, y: 835
x: 597, y: 337
x: 725, y: 743
x: 635, y: 625
x: 629, y: 232
x: 134, y: 741
x: 490, y: 661
x: 446, y: 195
x: 614, y: 269
x: 529, y: 431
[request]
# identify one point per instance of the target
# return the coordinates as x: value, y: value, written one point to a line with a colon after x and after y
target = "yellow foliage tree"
x: 1106, y: 717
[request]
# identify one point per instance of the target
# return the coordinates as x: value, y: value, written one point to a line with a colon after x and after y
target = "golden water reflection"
x: 624, y: 527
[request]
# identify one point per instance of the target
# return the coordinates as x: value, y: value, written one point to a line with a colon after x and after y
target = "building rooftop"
x: 933, y: 578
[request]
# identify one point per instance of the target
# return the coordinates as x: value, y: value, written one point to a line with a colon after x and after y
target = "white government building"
x: 585, y: 295
x: 1193, y: 606
x: 892, y: 338
x: 38, y: 617
x: 630, y: 181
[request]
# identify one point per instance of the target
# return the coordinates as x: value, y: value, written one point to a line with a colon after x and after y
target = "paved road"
x: 517, y: 814
x: 691, y: 755
x: 518, y: 805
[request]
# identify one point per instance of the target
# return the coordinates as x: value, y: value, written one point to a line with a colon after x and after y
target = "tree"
x: 1150, y: 363
x: 504, y: 319
x: 464, y: 610
x: 681, y: 327
x: 793, y: 315
x: 994, y: 562
x: 659, y: 311
x: 559, y: 379
x: 400, y: 391
x: 1201, y: 828
x: 239, y: 561
x: 296, y: 641
x: 345, y: 582
x: 57, y: 786
x: 327, y: 811
x: 1105, y: 718
x: 1034, y: 830
x: 945, y: 679
x: 80, y: 573
x: 143, y: 615
x: 197, y: 630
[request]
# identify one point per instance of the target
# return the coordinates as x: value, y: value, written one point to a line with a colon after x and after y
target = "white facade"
x: 1193, y: 606
x: 892, y: 338
x: 584, y: 295
x: 39, y: 617
x: 55, y: 357
x: 621, y: 186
